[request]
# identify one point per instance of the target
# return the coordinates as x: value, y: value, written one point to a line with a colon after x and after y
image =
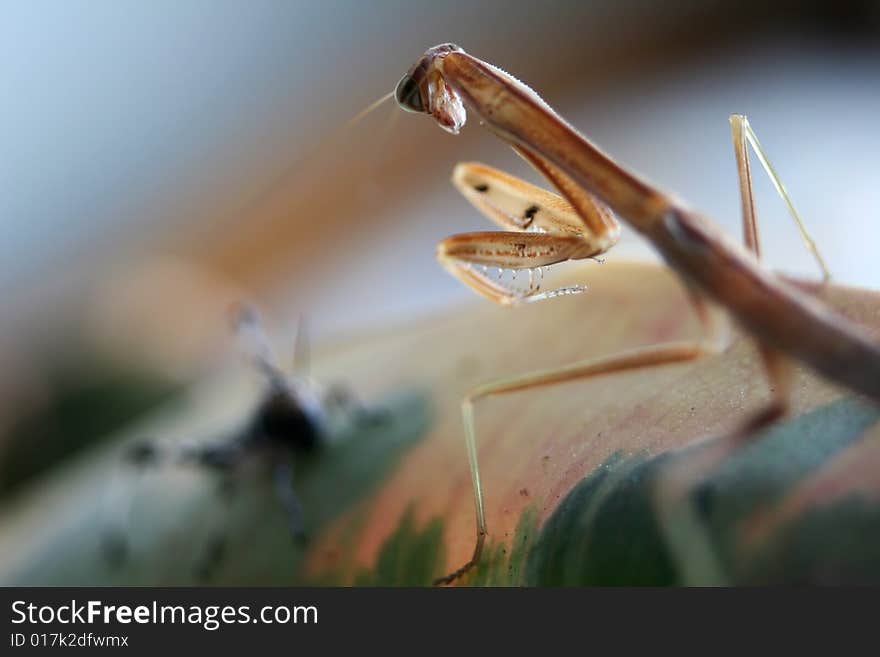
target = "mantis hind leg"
x: 777, y: 367
x: 743, y: 137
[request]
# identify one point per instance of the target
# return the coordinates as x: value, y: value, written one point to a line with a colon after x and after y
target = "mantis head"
x: 423, y: 90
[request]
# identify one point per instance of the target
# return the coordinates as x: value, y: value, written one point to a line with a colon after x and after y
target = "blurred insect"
x: 295, y: 417
x: 785, y: 321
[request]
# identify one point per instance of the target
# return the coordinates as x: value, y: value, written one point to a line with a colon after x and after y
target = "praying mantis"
x: 543, y: 229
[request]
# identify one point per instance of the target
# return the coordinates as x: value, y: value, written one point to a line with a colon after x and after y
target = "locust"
x: 725, y: 279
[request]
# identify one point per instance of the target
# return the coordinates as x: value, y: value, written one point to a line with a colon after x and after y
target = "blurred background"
x: 161, y: 160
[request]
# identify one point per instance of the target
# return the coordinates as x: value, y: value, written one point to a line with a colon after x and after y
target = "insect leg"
x: 469, y: 257
x: 515, y: 204
x: 682, y: 476
x: 777, y: 367
x: 595, y: 215
x: 678, y: 352
x: 282, y: 476
x: 744, y: 136
x: 779, y: 370
x: 253, y: 340
x: 125, y: 483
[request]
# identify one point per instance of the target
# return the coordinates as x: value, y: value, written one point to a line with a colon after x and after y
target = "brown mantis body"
x: 786, y: 322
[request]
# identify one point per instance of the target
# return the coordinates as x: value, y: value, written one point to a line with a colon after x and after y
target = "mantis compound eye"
x: 408, y: 96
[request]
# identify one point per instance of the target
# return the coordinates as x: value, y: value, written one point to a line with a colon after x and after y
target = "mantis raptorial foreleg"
x: 582, y: 222
x: 542, y: 229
